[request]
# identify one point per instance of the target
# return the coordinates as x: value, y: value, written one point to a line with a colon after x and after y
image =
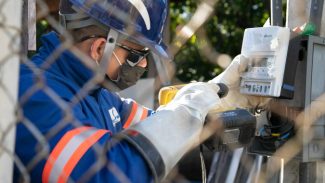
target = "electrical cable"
x: 204, y: 174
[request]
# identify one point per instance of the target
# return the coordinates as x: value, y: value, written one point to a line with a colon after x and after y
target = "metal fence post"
x: 10, y: 24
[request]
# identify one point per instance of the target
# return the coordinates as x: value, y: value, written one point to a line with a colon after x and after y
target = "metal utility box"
x: 309, y: 84
x: 314, y: 88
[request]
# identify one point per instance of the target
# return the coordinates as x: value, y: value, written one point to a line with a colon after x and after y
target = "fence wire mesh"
x: 235, y: 165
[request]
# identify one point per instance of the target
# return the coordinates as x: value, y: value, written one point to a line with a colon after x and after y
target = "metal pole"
x: 316, y: 13
x: 9, y: 69
x: 276, y: 13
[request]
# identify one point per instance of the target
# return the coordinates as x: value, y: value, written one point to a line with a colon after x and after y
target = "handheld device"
x: 238, y: 129
x: 237, y: 126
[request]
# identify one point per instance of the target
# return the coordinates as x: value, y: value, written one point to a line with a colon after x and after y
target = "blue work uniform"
x: 65, y: 128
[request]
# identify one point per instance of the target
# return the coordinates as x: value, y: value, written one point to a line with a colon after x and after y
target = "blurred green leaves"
x: 224, y: 31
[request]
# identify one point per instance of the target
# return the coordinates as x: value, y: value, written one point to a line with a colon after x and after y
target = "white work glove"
x: 231, y: 77
x: 174, y: 129
x: 198, y: 97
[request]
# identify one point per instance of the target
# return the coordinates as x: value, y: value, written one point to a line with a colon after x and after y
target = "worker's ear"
x: 97, y: 49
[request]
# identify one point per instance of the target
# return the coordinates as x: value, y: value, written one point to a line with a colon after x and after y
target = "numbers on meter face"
x: 258, y: 77
x: 256, y: 88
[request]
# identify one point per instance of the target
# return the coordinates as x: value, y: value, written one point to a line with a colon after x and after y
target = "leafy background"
x: 224, y: 29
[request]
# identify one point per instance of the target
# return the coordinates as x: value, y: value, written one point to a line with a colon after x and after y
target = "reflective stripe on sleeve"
x: 67, y: 153
x: 144, y: 114
x: 131, y: 116
x: 138, y: 113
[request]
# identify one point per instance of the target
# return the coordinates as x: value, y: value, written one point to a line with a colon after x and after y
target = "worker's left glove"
x: 164, y: 137
x: 231, y: 78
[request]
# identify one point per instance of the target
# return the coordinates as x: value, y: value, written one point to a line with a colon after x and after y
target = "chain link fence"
x: 239, y: 165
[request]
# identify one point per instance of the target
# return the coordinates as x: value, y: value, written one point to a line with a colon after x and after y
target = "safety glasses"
x: 134, y: 56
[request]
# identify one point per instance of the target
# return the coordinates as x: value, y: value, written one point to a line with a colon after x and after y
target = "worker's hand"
x: 231, y: 77
x: 199, y: 97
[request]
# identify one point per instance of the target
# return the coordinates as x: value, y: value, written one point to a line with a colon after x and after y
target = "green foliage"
x: 224, y: 29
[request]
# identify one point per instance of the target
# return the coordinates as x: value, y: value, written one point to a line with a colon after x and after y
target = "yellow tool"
x: 166, y: 94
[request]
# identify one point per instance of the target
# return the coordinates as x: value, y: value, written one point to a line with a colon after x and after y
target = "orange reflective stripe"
x: 68, y: 152
x: 144, y: 114
x: 57, y: 150
x: 131, y: 116
x: 80, y: 151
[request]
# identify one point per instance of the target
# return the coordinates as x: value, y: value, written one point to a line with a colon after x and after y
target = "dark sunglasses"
x: 134, y: 56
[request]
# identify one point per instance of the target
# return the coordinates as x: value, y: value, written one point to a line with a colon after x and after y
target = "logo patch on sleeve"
x: 115, y: 117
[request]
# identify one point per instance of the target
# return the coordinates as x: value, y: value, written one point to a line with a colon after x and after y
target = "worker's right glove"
x: 231, y: 78
x: 174, y: 129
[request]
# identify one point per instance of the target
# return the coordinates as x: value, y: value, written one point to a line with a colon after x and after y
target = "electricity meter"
x: 266, y: 48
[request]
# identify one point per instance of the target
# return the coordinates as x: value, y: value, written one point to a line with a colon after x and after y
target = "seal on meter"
x: 266, y: 48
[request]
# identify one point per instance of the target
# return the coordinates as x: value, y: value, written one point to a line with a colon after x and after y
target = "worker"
x: 73, y: 129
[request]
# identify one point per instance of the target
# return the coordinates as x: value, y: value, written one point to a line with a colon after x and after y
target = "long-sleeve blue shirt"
x: 64, y: 134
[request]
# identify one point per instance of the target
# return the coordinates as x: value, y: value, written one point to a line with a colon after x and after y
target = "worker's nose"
x: 143, y: 63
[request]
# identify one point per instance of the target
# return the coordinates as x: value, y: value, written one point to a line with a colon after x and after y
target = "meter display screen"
x: 260, y: 62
